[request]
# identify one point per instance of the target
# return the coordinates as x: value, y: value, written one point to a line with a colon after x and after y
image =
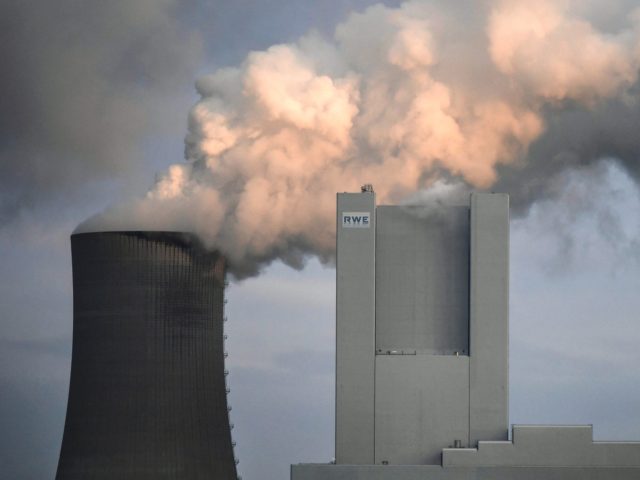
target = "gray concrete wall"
x: 422, y: 406
x: 422, y: 323
x: 422, y: 279
x: 430, y: 472
x: 355, y: 328
x: 489, y: 318
x: 537, y: 445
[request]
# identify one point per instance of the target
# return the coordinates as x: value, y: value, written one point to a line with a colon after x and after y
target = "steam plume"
x: 405, y: 98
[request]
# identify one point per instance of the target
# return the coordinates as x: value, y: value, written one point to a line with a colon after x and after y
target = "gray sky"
x: 95, y: 103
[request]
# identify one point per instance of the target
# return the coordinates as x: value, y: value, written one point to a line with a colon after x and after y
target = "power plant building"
x: 422, y: 302
x: 147, y: 397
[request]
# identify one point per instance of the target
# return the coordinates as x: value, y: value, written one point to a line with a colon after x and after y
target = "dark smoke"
x: 81, y: 84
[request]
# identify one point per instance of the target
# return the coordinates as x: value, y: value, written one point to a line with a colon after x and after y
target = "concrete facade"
x: 422, y: 342
x: 546, y: 446
x: 355, y: 328
x: 422, y: 273
x: 414, y: 417
x: 422, y: 333
x: 489, y: 318
x: 535, y: 453
x: 416, y: 293
x: 434, y: 472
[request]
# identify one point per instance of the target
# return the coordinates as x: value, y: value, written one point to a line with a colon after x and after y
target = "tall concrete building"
x: 147, y: 397
x: 422, y: 301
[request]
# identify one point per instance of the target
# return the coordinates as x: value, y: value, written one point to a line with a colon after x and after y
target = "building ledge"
x: 546, y: 446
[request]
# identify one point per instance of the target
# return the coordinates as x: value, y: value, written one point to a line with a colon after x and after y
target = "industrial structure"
x: 422, y: 301
x: 147, y: 397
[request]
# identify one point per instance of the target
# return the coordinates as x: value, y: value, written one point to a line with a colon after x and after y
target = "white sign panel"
x: 356, y: 219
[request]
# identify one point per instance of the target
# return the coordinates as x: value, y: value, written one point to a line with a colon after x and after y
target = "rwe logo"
x: 356, y: 219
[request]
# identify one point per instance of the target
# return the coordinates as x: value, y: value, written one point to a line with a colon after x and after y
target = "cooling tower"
x: 147, y: 398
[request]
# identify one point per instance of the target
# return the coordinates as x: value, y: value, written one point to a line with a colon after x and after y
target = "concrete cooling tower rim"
x: 175, y: 236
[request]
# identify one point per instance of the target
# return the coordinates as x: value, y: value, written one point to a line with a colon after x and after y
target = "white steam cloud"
x: 404, y: 98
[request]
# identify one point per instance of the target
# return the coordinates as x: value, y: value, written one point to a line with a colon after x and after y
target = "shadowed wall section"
x: 147, y: 397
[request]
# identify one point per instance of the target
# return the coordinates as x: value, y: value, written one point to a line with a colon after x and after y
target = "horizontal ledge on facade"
x: 413, y: 352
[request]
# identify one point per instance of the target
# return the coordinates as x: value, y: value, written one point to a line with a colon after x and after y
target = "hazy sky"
x: 95, y: 106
